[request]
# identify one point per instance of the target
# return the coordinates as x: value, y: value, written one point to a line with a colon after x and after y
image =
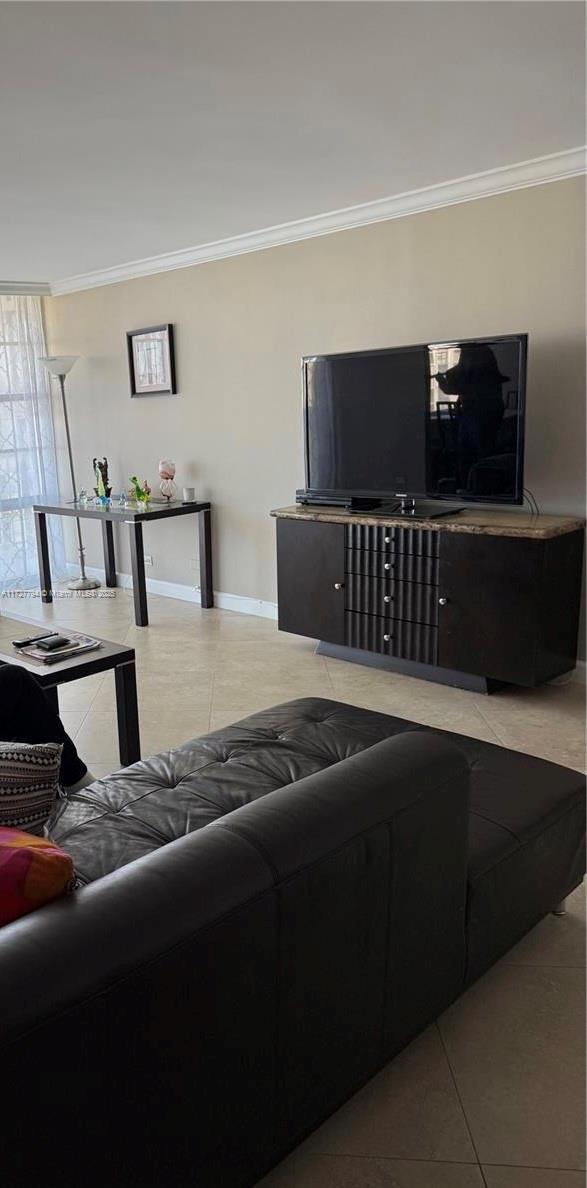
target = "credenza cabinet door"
x: 310, y: 579
x: 489, y: 591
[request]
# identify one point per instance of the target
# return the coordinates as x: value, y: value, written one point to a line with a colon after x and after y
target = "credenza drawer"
x: 392, y: 599
x: 404, y: 567
x: 392, y: 637
x: 419, y: 542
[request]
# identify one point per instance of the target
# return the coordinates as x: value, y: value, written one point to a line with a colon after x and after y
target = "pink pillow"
x: 33, y: 871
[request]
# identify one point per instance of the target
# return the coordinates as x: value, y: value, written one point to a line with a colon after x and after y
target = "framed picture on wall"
x: 151, y: 361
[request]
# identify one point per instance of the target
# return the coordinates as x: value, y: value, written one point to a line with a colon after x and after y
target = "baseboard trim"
x: 232, y: 602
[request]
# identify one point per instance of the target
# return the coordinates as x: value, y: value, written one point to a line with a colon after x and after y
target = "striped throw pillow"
x: 29, y: 784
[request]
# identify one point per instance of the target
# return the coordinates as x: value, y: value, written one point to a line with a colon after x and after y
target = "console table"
x: 475, y: 599
x: 134, y: 517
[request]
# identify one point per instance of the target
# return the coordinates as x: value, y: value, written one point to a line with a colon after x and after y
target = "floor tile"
x: 556, y: 940
x: 459, y: 720
x: 105, y: 697
x: 97, y: 738
x: 410, y: 1110
x: 238, y: 691
x: 158, y: 693
x: 548, y: 722
x: 219, y: 718
x: 404, y: 697
x: 554, y: 743
x: 515, y: 1042
x: 80, y: 695
x: 164, y: 732
x: 72, y: 720
x: 251, y: 628
x: 344, y: 1171
x: 261, y: 657
x: 396, y: 684
x: 548, y: 703
x: 177, y: 655
x: 101, y: 770
x: 532, y: 1177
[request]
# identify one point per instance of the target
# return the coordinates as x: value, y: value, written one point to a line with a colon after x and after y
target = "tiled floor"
x: 491, y: 1095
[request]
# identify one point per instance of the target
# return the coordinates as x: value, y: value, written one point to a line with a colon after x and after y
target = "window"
x: 28, y: 462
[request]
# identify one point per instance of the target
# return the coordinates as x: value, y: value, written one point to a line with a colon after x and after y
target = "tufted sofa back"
x: 141, y: 808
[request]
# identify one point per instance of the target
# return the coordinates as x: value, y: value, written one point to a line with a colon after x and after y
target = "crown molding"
x: 24, y: 289
x: 540, y: 170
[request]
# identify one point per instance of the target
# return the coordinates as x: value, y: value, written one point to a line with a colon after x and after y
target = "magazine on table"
x: 76, y: 644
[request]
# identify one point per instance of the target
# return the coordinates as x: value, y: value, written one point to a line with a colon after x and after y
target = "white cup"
x: 189, y: 494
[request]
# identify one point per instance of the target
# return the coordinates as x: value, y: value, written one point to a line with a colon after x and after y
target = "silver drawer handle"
x: 388, y: 565
x: 387, y: 638
x: 388, y: 539
x: 442, y: 601
x: 387, y: 597
x: 339, y: 585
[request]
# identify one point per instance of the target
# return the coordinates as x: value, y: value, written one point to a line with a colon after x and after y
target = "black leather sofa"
x: 271, y: 913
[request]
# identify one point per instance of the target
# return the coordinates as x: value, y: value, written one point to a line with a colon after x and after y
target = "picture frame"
x: 151, y: 361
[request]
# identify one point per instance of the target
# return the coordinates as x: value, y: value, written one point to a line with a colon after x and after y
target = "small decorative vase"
x: 142, y: 495
x: 103, y: 498
x: 167, y: 475
x: 167, y: 489
x: 103, y: 489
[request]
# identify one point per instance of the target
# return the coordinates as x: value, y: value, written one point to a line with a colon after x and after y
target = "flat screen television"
x: 442, y: 420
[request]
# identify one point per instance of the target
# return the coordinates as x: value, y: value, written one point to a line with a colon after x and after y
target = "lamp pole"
x: 60, y: 366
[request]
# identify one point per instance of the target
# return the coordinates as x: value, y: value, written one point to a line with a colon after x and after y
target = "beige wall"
x: 509, y: 263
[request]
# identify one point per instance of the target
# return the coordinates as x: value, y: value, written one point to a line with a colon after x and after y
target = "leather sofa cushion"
x: 514, y: 797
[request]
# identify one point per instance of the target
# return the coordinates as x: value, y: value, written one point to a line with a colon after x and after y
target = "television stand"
x: 493, y: 595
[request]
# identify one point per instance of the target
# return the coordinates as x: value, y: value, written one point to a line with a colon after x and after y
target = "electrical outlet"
x: 193, y: 563
x: 148, y: 559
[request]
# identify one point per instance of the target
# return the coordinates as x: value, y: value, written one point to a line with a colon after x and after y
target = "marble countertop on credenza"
x: 487, y: 523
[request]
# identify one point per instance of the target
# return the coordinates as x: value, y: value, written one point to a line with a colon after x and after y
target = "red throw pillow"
x: 33, y: 871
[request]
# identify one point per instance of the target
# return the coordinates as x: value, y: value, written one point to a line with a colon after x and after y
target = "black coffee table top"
x: 153, y: 511
x: 108, y: 656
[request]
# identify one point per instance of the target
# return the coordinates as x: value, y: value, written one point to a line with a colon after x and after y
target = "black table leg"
x: 109, y: 556
x: 137, y: 562
x: 205, y: 541
x: 52, y: 696
x: 129, y: 742
x: 43, y: 556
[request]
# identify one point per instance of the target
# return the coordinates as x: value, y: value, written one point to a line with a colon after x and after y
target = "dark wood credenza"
x: 474, y: 599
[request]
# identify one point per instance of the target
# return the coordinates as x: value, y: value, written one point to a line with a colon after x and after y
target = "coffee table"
x: 50, y: 677
x: 134, y: 517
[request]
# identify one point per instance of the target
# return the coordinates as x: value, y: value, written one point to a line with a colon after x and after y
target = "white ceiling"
x: 133, y: 129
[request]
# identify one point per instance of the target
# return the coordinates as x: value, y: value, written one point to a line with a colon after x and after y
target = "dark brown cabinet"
x: 480, y: 597
x: 311, y: 579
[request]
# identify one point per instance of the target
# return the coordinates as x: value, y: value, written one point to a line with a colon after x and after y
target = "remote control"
x: 24, y: 643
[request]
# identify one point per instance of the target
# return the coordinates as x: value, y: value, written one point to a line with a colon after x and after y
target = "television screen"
x: 442, y: 420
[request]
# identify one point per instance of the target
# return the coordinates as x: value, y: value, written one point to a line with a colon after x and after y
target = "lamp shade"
x: 58, y: 364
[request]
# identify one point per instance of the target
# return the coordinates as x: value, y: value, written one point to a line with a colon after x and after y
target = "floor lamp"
x: 60, y: 366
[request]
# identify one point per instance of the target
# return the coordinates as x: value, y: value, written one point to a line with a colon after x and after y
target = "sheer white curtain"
x: 28, y: 462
